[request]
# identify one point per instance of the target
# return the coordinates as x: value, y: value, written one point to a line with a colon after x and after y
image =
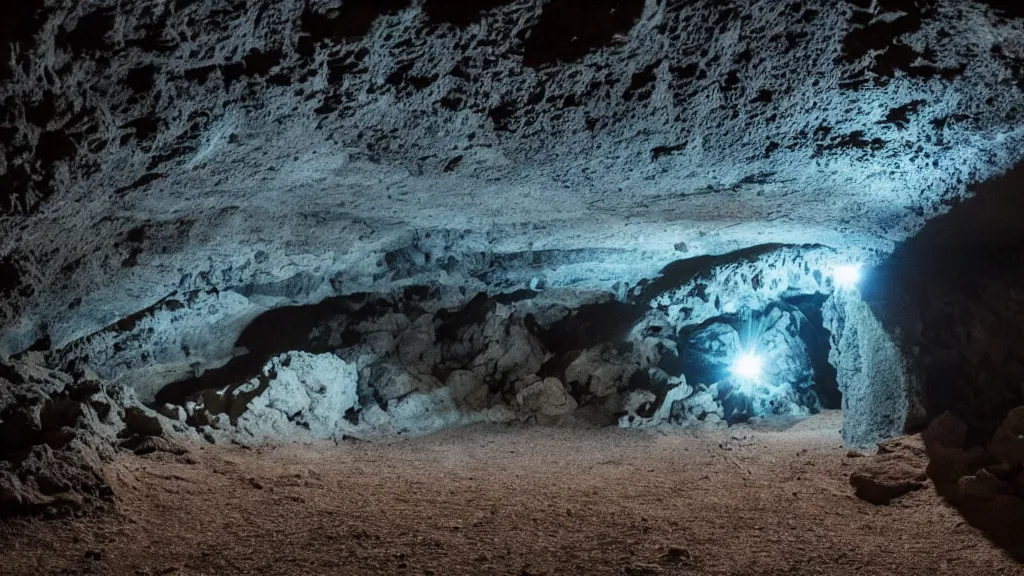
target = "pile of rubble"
x: 57, y: 432
x: 388, y: 366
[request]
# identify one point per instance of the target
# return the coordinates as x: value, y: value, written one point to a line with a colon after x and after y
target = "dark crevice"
x: 568, y: 30
x: 141, y: 79
x: 90, y: 33
x: 817, y: 339
x: 351, y: 21
x: 260, y: 63
x: 1006, y: 8
x: 590, y: 325
x: 641, y: 87
x: 501, y: 115
x: 460, y: 13
x: 680, y: 272
x: 19, y: 23
x: 900, y: 116
x: 882, y: 38
x: 275, y: 332
x: 855, y: 140
x: 659, y: 151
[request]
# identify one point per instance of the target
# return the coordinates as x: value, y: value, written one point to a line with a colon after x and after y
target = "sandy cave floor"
x: 517, y: 501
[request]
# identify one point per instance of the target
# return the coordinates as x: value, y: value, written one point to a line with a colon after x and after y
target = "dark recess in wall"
x: 956, y: 293
x: 275, y: 332
x: 89, y: 34
x: 349, y: 22
x: 10, y: 277
x: 818, y: 341
x: 460, y: 13
x: 19, y: 23
x: 568, y: 30
x: 1006, y: 8
x: 884, y: 39
x: 682, y: 271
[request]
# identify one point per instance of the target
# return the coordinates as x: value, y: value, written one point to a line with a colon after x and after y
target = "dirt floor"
x: 516, y: 501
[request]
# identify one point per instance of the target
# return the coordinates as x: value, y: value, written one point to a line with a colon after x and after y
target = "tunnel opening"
x: 817, y: 339
x: 423, y: 358
x: 773, y: 362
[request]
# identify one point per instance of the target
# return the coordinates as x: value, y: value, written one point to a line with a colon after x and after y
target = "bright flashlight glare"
x: 747, y: 367
x: 847, y: 276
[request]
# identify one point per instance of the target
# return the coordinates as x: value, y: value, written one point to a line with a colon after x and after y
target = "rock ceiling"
x: 293, y: 149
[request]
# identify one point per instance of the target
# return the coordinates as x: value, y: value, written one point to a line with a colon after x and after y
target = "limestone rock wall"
x: 882, y: 397
x: 154, y: 151
x: 421, y: 359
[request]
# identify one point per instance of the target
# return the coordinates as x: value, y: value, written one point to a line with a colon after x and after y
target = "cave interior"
x: 250, y: 225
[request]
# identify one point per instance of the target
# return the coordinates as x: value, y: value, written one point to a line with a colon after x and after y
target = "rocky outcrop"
x: 941, y: 317
x: 881, y: 395
x: 982, y: 477
x: 897, y: 470
x: 297, y: 396
x: 55, y: 435
x: 426, y: 358
x: 58, y: 433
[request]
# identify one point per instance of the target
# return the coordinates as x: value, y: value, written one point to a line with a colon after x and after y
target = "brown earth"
x: 516, y: 501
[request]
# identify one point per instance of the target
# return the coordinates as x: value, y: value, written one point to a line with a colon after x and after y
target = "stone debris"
x: 57, y: 433
x: 547, y: 397
x: 969, y: 474
x: 388, y: 364
x: 1008, y: 443
x: 142, y: 445
x: 139, y: 420
x: 897, y: 470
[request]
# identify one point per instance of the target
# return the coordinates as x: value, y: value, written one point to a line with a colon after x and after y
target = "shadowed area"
x: 954, y: 293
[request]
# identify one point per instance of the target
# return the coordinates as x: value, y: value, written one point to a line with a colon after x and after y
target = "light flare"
x: 847, y: 276
x: 748, y: 367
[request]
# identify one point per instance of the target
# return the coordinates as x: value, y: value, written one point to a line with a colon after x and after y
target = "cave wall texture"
x: 953, y: 299
x: 309, y: 218
x: 286, y: 151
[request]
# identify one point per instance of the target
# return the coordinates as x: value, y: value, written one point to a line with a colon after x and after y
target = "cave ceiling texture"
x: 152, y: 148
x: 415, y: 214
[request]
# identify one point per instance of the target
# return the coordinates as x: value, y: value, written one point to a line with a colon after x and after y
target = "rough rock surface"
x: 897, y: 470
x: 52, y: 446
x: 57, y: 432
x: 949, y: 305
x: 60, y: 431
x: 881, y: 397
x: 426, y: 358
x: 285, y: 151
x: 983, y: 478
x: 311, y: 217
x: 296, y: 397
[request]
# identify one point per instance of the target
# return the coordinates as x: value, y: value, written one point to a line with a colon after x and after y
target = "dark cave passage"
x: 817, y: 340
